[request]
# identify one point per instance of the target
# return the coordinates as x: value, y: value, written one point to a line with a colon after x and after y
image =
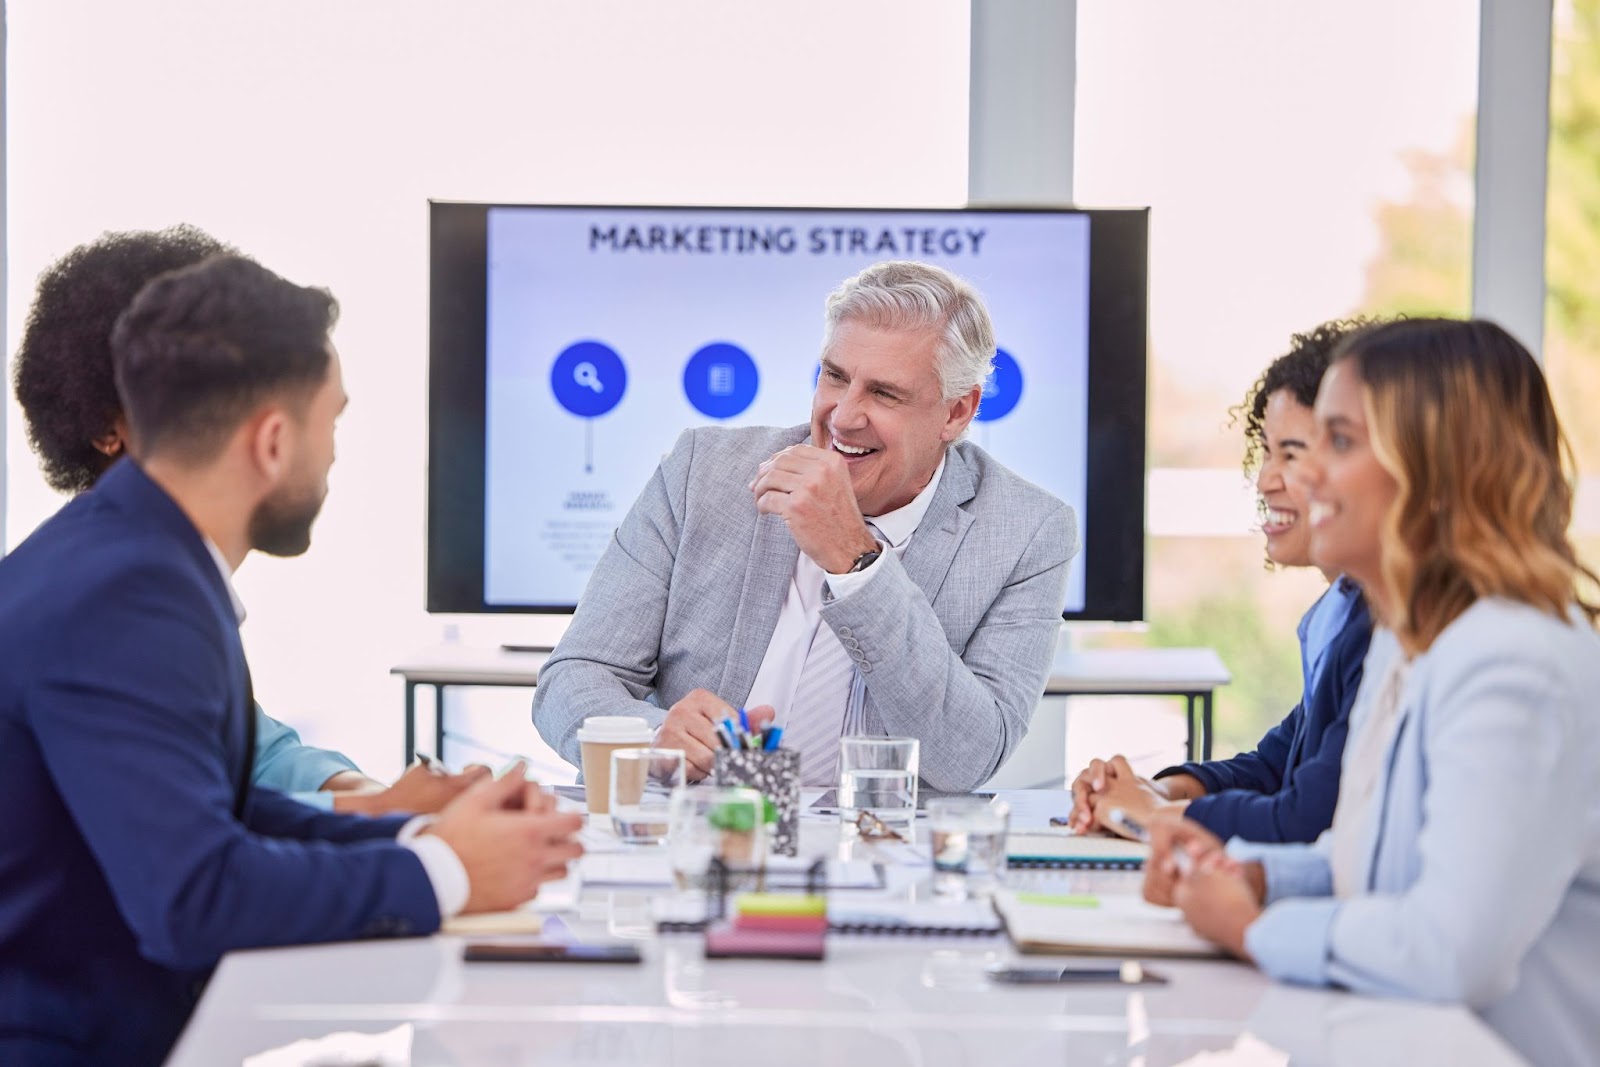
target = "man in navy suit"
x: 136, y: 852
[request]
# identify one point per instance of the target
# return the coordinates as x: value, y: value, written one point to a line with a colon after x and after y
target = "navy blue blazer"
x: 1286, y: 789
x: 125, y: 874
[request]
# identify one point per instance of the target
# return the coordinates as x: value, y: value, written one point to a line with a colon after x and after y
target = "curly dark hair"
x: 63, y: 374
x: 1298, y: 370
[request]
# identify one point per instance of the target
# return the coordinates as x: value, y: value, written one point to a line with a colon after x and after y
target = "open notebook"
x: 1112, y: 925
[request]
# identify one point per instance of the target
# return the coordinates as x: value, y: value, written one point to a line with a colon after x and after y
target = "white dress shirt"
x: 445, y: 871
x: 779, y: 674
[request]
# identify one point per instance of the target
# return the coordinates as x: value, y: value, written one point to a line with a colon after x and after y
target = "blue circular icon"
x: 588, y: 379
x: 1001, y: 389
x: 720, y: 380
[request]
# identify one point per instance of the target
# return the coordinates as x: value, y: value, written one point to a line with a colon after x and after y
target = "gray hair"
x: 902, y: 295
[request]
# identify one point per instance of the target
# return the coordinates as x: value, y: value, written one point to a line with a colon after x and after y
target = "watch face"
x: 864, y: 561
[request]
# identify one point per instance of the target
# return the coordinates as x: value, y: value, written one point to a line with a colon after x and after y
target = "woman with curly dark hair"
x: 1284, y: 790
x: 68, y: 393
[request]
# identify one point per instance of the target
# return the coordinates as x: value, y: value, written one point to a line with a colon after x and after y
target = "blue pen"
x: 733, y: 733
x: 772, y: 738
x: 744, y: 721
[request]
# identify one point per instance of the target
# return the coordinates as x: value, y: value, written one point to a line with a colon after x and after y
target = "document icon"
x: 719, y: 379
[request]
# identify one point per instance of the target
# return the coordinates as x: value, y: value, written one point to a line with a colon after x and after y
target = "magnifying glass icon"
x: 585, y: 375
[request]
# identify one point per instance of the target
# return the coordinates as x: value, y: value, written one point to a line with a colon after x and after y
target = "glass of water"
x: 642, y: 781
x: 725, y: 822
x: 878, y: 774
x: 969, y: 844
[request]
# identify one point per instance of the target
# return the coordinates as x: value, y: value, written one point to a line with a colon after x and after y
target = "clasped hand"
x: 1106, y: 785
x: 421, y: 790
x: 809, y: 488
x: 508, y: 835
x: 1219, y: 896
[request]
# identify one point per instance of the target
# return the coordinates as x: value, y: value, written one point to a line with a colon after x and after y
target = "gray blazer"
x: 953, y: 643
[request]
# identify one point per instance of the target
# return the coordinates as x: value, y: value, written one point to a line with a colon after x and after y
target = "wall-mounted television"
x: 571, y: 345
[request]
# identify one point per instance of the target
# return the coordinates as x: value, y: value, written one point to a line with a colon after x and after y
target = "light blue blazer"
x: 1483, y: 871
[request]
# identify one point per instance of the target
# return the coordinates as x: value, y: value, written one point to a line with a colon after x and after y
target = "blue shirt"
x: 1321, y: 625
x: 285, y: 764
x: 1286, y: 789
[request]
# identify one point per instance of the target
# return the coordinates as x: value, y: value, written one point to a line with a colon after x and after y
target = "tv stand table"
x: 1191, y: 673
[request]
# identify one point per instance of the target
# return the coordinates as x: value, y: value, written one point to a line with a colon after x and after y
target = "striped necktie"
x: 816, y: 716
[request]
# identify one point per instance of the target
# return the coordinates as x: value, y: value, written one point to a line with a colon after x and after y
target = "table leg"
x: 438, y: 720
x: 1188, y: 726
x: 411, y: 722
x: 1205, y: 725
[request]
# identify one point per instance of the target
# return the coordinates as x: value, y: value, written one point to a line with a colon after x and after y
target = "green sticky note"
x: 1060, y: 900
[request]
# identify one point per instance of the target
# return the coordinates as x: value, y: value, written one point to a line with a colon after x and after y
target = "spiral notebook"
x: 1064, y: 851
x: 872, y: 918
x: 963, y: 918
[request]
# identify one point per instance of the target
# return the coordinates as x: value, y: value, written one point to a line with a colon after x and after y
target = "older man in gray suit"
x: 869, y: 574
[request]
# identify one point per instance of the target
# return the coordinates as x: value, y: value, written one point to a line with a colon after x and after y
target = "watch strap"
x: 865, y: 560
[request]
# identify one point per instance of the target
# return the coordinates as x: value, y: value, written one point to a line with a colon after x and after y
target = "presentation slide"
x: 612, y: 330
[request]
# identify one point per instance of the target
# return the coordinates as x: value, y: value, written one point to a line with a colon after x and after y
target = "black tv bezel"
x: 1113, y: 537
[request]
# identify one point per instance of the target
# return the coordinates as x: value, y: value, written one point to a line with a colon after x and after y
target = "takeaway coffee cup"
x: 598, y: 737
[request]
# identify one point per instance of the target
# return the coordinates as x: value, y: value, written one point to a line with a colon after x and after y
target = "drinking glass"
x: 969, y: 844
x: 642, y: 781
x: 707, y: 822
x: 879, y: 775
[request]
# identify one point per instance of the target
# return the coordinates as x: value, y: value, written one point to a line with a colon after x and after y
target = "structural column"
x: 1024, y: 66
x: 1513, y: 153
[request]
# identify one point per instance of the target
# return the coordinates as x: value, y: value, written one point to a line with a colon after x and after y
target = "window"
x: 1302, y: 162
x: 1572, y: 301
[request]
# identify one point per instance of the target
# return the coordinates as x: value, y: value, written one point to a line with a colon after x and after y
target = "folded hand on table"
x: 1109, y: 784
x: 1219, y: 896
x: 510, y: 839
x: 421, y: 790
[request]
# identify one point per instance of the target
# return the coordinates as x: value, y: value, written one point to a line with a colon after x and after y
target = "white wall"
x: 311, y: 134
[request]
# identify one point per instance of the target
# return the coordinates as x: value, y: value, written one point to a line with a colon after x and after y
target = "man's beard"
x: 281, y: 524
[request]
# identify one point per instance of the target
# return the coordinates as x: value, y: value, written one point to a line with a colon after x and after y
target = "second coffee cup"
x: 598, y: 737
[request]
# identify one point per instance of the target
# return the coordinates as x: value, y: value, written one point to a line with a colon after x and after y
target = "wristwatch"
x: 865, y: 560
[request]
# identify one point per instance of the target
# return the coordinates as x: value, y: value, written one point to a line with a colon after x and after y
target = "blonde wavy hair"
x: 1460, y: 416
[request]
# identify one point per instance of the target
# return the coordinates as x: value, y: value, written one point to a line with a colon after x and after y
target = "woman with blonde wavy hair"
x: 1463, y: 864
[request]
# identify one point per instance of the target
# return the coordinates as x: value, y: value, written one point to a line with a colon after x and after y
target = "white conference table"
x: 875, y: 1000
x: 1191, y: 673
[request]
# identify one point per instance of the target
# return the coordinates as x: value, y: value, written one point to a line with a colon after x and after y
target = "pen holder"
x: 774, y: 774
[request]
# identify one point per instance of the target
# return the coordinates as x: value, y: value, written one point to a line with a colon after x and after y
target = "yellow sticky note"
x: 779, y: 904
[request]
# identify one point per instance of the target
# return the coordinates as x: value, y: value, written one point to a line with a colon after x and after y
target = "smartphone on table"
x: 511, y: 952
x: 1130, y: 972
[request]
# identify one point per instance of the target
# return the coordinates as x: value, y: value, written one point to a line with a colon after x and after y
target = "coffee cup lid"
x: 611, y: 728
